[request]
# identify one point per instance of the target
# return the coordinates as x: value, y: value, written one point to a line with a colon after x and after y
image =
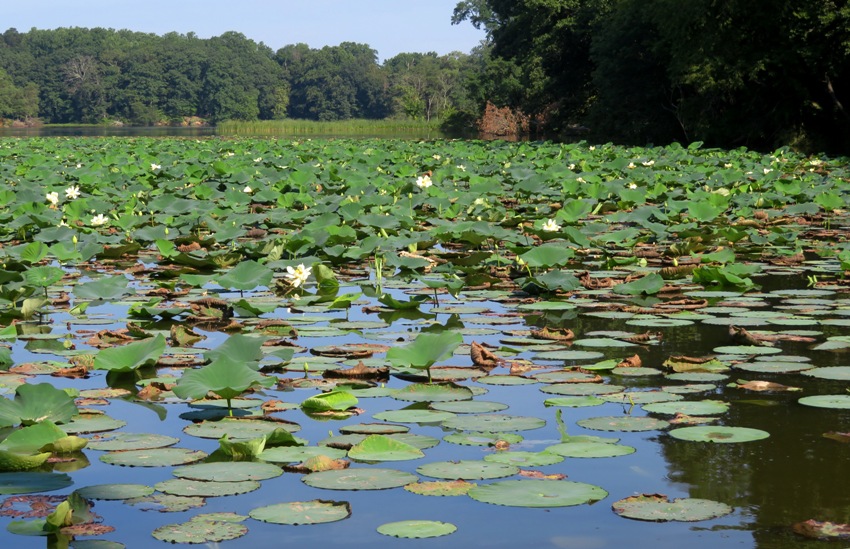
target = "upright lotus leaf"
x: 225, y: 376
x: 326, y: 281
x: 37, y: 402
x: 42, y: 277
x: 108, y: 287
x: 238, y: 348
x: 132, y: 356
x: 334, y: 401
x: 649, y: 284
x: 425, y: 350
x: 32, y: 438
x: 246, y: 276
x: 383, y: 448
x: 548, y: 255
x: 243, y: 449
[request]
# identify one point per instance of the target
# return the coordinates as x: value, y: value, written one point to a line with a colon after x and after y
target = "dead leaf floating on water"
x: 483, y: 357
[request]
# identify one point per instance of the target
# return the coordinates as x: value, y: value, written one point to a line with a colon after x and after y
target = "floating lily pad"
x: 691, y: 408
x: 482, y: 439
x: 238, y: 429
x: 374, y: 429
x: 658, y: 508
x: 659, y: 322
x: 590, y: 449
x: 838, y: 373
x: 155, y: 457
x: 574, y: 402
x: 361, y: 478
x: 297, y: 454
x: 537, y: 493
x: 414, y: 416
x: 494, y: 423
x: 719, y: 434
x: 166, y: 503
x: 506, y: 380
x: 92, y: 423
x: 203, y: 488
x: 566, y: 376
x: 416, y: 529
x: 641, y: 397
x: 696, y: 377
x: 469, y: 406
x: 568, y: 355
x: 200, y: 531
x: 440, y: 488
x: 602, y: 342
x: 132, y: 441
x: 303, y: 512
x: 623, y: 423
x: 28, y: 483
x: 580, y: 389
x: 773, y: 367
x: 228, y: 471
x: 432, y: 392
x: 839, y: 402
x: 746, y: 350
x: 525, y: 459
x: 467, y: 470
x: 115, y: 491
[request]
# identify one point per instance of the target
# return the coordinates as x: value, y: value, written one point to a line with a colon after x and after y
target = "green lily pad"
x: 467, y: 470
x: 641, y: 397
x: 582, y: 389
x: 361, y: 478
x: 568, y: 355
x: 623, y: 423
x: 506, y: 380
x: 166, y: 503
x: 302, y: 512
x: 590, y: 449
x: 494, y: 423
x: 28, y: 483
x: 416, y: 529
x: 525, y: 459
x: 574, y: 402
x: 746, y: 350
x: 383, y: 448
x: 482, y: 439
x: 658, y: 508
x: 297, y: 454
x: 565, y: 376
x: 838, y: 402
x: 132, y: 356
x: 155, y: 457
x: 537, y: 493
x: 691, y: 408
x: 237, y: 471
x: 470, y: 406
x: 432, y: 392
x: 200, y: 531
x: 414, y: 416
x: 238, y: 429
x: 374, y: 429
x: 774, y: 367
x: 719, y: 434
x: 115, y: 491
x: 92, y: 423
x: 204, y: 488
x: 131, y: 441
x: 838, y: 373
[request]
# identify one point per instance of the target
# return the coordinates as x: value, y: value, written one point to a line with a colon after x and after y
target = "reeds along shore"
x: 339, y: 127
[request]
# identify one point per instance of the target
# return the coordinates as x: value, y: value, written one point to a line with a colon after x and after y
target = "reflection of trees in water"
x: 794, y: 475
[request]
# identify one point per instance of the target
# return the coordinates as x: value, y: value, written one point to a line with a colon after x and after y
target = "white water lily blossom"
x: 633, y: 185
x: 53, y: 198
x: 424, y: 181
x: 155, y: 166
x: 551, y: 226
x: 247, y: 189
x: 297, y: 276
x: 72, y: 192
x: 99, y: 220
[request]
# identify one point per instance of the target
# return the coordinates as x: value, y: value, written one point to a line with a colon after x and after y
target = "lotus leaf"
x: 537, y: 493
x: 37, y: 402
x: 416, y: 529
x: 132, y: 356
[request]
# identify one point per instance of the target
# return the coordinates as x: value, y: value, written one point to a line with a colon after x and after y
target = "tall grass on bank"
x: 358, y: 127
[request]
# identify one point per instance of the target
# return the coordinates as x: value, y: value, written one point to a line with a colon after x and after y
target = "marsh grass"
x: 361, y: 127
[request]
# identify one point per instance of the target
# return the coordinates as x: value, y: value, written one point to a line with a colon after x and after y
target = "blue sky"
x: 388, y: 26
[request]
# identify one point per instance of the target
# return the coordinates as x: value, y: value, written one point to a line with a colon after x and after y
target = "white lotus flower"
x: 247, y: 189
x: 424, y: 181
x: 551, y: 226
x: 297, y: 276
x: 72, y: 192
x: 633, y: 185
x: 53, y: 198
x: 155, y: 166
x: 99, y: 220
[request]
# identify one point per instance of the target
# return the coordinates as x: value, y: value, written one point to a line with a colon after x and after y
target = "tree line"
x: 78, y: 75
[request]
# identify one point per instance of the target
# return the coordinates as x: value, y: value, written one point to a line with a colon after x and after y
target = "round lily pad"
x: 689, y: 388
x: 838, y: 373
x: 691, y: 408
x: 201, y: 488
x: 28, y: 483
x: 416, y: 529
x: 641, y: 397
x: 622, y: 423
x: 566, y: 376
x: 238, y: 429
x: 718, y: 434
x: 467, y: 470
x: 228, y: 471
x: 658, y: 508
x: 746, y: 350
x: 579, y: 389
x: 91, y: 423
x: 506, y: 380
x: 297, y: 454
x: 696, y: 377
x: 383, y: 448
x: 574, y: 402
x: 537, y: 493
x: 316, y: 511
x: 590, y: 449
x: 414, y: 416
x: 525, y: 459
x: 361, y: 478
x: 432, y: 392
x: 115, y: 491
x: 200, y: 531
x: 602, y: 342
x: 494, y: 423
x: 773, y: 367
x: 482, y: 439
x: 568, y: 355
x: 840, y: 402
x: 659, y: 322
x: 470, y: 406
x: 166, y: 503
x: 374, y: 429
x: 440, y: 487
x: 131, y: 441
x: 156, y: 457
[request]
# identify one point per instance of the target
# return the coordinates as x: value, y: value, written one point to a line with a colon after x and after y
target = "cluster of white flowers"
x: 424, y: 181
x: 297, y: 276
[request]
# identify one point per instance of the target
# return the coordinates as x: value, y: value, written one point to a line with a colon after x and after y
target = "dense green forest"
x: 755, y: 73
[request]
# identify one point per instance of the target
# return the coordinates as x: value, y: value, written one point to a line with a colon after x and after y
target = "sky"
x: 388, y: 26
